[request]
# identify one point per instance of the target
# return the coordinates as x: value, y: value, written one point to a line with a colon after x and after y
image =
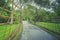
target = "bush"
x: 3, y: 20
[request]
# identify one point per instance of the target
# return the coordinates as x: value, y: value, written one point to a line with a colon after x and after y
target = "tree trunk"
x: 12, y: 14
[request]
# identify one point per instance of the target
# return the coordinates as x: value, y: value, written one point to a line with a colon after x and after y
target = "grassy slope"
x: 50, y: 26
x: 6, y: 30
x: 18, y: 33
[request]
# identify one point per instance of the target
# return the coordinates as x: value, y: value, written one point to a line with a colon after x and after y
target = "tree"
x: 43, y: 3
x: 3, y: 10
x: 56, y: 6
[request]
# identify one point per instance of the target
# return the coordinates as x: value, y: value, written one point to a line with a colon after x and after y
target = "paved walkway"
x: 31, y: 32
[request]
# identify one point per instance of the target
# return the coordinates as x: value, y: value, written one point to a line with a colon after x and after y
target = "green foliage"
x: 57, y: 10
x: 2, y: 3
x: 3, y: 20
x: 56, y: 7
x: 24, y: 1
x: 43, y: 3
x: 34, y: 14
x: 2, y: 12
x: 58, y: 1
x: 28, y: 12
x: 16, y: 16
x: 43, y: 15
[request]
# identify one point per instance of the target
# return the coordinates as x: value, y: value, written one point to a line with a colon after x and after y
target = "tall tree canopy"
x: 56, y: 6
x: 42, y: 3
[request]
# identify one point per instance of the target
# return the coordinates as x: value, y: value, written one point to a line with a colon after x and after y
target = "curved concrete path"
x: 31, y: 32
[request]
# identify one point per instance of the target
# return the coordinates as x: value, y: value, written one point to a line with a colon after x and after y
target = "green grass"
x: 6, y: 30
x: 50, y: 26
x: 18, y: 33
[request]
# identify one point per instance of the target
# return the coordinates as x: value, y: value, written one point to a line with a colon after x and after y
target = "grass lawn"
x: 50, y: 26
x: 6, y: 30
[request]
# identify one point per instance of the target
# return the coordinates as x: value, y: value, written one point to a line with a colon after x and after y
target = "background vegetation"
x: 40, y: 14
